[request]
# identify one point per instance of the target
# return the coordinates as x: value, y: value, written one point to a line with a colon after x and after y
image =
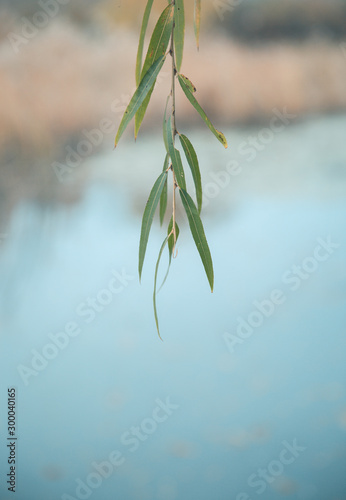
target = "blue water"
x: 199, y: 415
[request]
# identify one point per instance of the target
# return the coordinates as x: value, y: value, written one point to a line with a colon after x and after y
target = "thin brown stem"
x: 174, y: 208
x: 174, y: 72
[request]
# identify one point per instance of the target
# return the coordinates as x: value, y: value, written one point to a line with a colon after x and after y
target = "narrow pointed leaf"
x: 197, y: 20
x: 148, y: 217
x: 142, y: 110
x: 139, y: 96
x: 159, y: 39
x: 195, y: 104
x: 179, y: 32
x: 192, y: 160
x: 163, y: 198
x: 175, y: 155
x: 141, y: 41
x: 155, y: 283
x: 198, y: 234
x: 170, y: 248
x: 178, y: 169
x: 157, y: 48
x: 188, y: 82
x: 171, y: 237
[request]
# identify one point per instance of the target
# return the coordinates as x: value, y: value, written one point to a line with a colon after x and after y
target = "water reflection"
x: 89, y: 385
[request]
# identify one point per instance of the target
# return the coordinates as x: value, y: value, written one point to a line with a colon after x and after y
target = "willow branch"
x: 174, y: 72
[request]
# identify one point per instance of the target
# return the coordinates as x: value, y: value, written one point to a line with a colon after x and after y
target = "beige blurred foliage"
x: 71, y: 75
x: 63, y: 81
x: 129, y: 13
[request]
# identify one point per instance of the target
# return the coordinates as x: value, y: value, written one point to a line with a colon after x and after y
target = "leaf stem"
x: 174, y: 72
x: 174, y: 227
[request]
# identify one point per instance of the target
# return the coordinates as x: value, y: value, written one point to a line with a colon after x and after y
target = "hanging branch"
x: 167, y: 39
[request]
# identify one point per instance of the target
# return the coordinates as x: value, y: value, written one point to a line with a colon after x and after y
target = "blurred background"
x: 247, y: 375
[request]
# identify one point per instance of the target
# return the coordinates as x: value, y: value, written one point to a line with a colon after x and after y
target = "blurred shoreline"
x: 68, y: 83
x: 64, y: 81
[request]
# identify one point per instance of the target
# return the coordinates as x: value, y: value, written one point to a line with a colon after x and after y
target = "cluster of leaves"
x: 168, y: 39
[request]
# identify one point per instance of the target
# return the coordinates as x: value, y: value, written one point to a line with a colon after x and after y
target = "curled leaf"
x: 219, y: 135
x: 148, y: 217
x: 170, y: 247
x: 188, y: 83
x: 171, y: 237
x: 155, y: 283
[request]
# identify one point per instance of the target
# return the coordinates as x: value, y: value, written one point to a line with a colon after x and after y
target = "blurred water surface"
x: 234, y: 410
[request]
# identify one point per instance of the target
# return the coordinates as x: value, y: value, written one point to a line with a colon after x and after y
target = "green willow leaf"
x: 192, y: 160
x: 155, y: 283
x: 188, y: 82
x: 139, y: 96
x: 198, y: 234
x: 160, y: 38
x: 195, y: 104
x: 163, y: 198
x: 148, y: 217
x: 170, y: 247
x: 171, y: 237
x: 157, y: 48
x: 141, y: 41
x: 175, y: 155
x: 179, y: 32
x: 142, y: 110
x: 197, y: 20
